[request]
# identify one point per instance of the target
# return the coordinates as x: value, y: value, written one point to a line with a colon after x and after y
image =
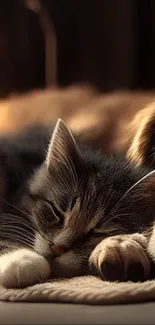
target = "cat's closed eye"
x: 48, y: 213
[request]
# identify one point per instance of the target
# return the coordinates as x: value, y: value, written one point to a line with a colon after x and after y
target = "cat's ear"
x: 63, y: 155
x: 142, y: 144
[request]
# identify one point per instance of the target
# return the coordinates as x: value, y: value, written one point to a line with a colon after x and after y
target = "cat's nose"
x: 58, y: 250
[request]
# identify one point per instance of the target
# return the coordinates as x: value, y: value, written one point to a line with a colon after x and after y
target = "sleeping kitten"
x: 67, y: 211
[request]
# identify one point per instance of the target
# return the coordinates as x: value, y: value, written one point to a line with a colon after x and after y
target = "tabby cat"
x: 69, y: 211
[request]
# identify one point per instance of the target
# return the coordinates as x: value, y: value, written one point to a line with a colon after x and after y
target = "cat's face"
x: 76, y: 202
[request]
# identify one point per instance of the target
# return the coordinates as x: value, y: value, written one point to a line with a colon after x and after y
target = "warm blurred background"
x: 110, y: 44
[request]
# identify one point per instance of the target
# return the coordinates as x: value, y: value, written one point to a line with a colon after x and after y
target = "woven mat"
x: 83, y: 290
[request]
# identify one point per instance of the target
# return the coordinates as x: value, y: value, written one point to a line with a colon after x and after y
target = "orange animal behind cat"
x: 107, y: 121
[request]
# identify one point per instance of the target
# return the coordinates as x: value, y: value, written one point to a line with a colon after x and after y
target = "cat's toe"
x: 120, y: 258
x: 112, y: 271
x: 106, y: 263
x: 135, y: 272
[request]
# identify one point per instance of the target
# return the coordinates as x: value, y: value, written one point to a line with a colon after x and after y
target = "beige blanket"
x: 85, y: 290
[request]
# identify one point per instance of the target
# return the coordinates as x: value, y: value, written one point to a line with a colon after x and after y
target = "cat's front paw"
x: 22, y: 268
x: 121, y: 258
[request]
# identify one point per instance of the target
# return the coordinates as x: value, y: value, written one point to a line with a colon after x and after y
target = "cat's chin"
x: 69, y: 265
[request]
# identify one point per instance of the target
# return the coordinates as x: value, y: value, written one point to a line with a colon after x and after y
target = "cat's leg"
x: 121, y: 258
x: 22, y: 268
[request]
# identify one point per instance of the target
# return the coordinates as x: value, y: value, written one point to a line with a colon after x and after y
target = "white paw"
x: 22, y: 268
x: 121, y: 258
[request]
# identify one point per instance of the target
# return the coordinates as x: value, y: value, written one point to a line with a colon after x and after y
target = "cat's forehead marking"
x: 75, y: 219
x: 83, y: 219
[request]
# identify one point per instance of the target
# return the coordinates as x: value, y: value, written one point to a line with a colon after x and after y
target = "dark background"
x: 108, y: 43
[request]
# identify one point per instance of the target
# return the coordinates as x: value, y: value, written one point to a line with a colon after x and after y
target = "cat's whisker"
x: 16, y: 242
x: 10, y: 230
x: 120, y: 229
x: 15, y: 207
x: 17, y: 238
x: 116, y: 216
x: 16, y: 221
x: 19, y: 229
x: 108, y: 223
x: 132, y: 188
x: 15, y: 226
x: 120, y: 214
x: 20, y: 220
